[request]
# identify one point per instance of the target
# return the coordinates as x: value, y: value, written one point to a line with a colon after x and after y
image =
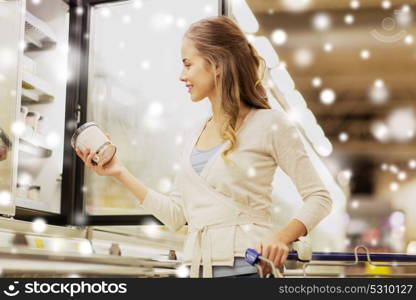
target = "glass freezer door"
x: 134, y: 94
x: 42, y: 102
x: 10, y: 32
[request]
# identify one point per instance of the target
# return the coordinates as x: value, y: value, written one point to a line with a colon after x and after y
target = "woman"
x: 224, y: 188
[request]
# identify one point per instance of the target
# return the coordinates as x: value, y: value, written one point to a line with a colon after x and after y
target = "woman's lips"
x: 189, y: 89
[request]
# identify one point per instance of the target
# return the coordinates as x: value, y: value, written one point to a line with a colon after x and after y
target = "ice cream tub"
x: 89, y: 135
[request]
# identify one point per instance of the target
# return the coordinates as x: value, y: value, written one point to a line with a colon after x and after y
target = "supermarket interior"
x: 343, y: 71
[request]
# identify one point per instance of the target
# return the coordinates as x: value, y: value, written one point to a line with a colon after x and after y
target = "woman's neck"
x: 218, y: 117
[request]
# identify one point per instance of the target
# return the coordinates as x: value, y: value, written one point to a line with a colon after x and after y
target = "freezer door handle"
x: 78, y: 113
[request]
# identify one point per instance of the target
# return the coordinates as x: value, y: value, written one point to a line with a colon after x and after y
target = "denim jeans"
x: 240, y: 269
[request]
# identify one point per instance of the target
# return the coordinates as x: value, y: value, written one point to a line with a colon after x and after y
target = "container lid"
x: 79, y: 130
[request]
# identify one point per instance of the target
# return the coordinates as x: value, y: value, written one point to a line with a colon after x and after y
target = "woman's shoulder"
x: 272, y: 117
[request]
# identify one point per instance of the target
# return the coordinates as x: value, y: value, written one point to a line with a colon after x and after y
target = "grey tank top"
x: 199, y: 158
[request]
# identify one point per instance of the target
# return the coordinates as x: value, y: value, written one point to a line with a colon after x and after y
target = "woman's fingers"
x: 266, y: 254
x: 276, y: 255
x: 266, y: 251
x: 101, y: 163
x: 90, y: 156
x: 277, y: 259
x: 80, y: 154
x: 275, y: 251
x: 87, y: 157
x: 259, y: 248
x: 272, y: 254
x: 284, y: 257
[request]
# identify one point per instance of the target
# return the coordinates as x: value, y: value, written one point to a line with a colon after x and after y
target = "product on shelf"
x: 38, y: 33
x: 5, y: 145
x: 41, y: 126
x: 32, y: 120
x: 90, y: 136
x: 36, y: 89
x: 34, y: 193
x: 23, y: 112
x: 22, y: 190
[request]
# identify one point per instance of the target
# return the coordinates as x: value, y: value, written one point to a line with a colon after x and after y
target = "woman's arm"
x: 135, y: 186
x: 286, y: 147
x: 291, y: 232
x: 168, y: 209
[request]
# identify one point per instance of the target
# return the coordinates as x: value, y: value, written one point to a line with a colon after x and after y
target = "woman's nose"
x: 182, y: 77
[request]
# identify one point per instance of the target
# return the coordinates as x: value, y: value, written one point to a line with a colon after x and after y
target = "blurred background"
x: 354, y: 62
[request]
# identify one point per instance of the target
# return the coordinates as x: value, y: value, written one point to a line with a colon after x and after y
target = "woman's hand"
x: 274, y: 249
x: 111, y: 168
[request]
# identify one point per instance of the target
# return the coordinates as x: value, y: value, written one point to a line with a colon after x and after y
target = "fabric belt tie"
x: 202, y: 246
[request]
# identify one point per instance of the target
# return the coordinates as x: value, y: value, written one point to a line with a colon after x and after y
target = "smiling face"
x: 196, y: 74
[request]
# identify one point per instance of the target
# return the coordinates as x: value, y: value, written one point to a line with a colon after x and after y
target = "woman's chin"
x: 195, y: 99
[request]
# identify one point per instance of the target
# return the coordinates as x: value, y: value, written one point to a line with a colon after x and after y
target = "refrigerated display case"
x: 40, y: 43
x: 116, y: 63
x: 10, y: 30
x: 56, y: 73
x: 134, y: 93
x: 40, y: 250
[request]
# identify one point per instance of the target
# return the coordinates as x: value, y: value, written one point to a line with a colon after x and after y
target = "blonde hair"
x: 222, y: 43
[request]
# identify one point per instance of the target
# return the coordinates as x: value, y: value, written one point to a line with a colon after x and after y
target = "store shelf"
x: 35, y: 89
x: 34, y: 143
x: 61, y: 263
x: 32, y: 204
x: 30, y: 95
x: 38, y: 35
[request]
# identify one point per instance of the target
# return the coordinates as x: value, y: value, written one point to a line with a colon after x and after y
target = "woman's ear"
x: 217, y: 70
